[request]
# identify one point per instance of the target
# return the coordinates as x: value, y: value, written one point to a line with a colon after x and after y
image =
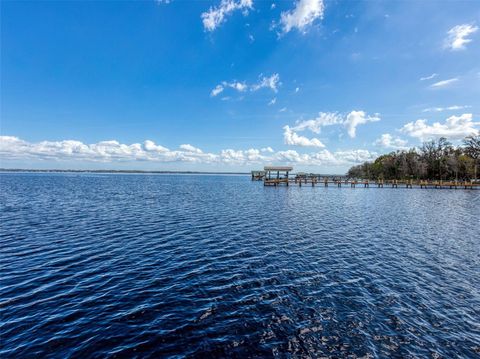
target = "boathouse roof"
x: 278, y: 168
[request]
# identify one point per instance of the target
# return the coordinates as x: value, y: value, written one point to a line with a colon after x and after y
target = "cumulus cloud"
x: 103, y: 151
x: 251, y: 155
x: 323, y: 119
x: 444, y: 83
x: 14, y: 148
x: 428, y: 77
x: 151, y: 146
x: 271, y: 82
x: 388, y: 141
x: 293, y: 139
x: 356, y: 118
x: 454, y: 128
x: 189, y: 148
x: 325, y: 157
x: 302, y: 16
x: 355, y: 156
x: 441, y: 109
x: 351, y: 121
x: 216, y: 15
x: 457, y: 36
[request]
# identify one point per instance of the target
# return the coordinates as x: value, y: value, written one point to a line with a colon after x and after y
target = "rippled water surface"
x: 215, y: 266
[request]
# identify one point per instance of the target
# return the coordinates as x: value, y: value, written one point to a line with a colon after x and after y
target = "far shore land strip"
x: 27, y: 170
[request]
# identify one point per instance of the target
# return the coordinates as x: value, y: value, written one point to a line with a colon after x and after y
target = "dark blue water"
x: 216, y: 266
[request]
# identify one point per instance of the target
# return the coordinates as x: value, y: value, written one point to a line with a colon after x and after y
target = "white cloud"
x: 291, y: 156
x: 230, y: 156
x: 151, y: 146
x: 272, y: 101
x: 189, y: 148
x: 302, y: 16
x: 457, y: 36
x: 283, y: 109
x: 356, y: 118
x: 388, y: 141
x: 449, y: 108
x: 215, y: 16
x: 428, y: 77
x: 325, y: 157
x: 444, y: 83
x: 236, y: 85
x: 251, y: 155
x: 13, y: 148
x: 297, y: 89
x: 323, y: 119
x: 217, y: 90
x: 271, y: 82
x: 351, y: 121
x: 293, y: 139
x: 239, y: 86
x: 354, y: 156
x: 454, y: 128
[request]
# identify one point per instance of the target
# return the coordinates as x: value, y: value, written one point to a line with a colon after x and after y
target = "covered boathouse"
x: 276, y: 175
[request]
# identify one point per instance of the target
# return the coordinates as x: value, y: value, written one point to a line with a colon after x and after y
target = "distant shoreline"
x: 18, y: 170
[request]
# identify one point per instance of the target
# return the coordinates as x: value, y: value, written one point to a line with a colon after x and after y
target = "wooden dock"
x: 353, y: 183
x: 278, y: 176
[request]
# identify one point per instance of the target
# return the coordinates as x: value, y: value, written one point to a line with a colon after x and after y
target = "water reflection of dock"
x: 281, y: 175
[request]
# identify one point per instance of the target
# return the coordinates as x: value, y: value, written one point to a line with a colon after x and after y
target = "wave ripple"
x: 215, y: 266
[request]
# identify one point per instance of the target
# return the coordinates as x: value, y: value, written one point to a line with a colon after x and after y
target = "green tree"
x: 472, y: 149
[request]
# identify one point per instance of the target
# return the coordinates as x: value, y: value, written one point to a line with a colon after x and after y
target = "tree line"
x: 434, y: 160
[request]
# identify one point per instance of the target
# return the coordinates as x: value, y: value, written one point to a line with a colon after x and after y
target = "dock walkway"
x: 353, y: 183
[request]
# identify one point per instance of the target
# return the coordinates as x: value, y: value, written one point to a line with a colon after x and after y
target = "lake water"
x: 215, y: 266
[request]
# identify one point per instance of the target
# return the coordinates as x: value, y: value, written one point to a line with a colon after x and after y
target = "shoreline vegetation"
x: 434, y: 160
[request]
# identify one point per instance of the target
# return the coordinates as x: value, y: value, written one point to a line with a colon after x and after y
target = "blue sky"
x: 233, y: 84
